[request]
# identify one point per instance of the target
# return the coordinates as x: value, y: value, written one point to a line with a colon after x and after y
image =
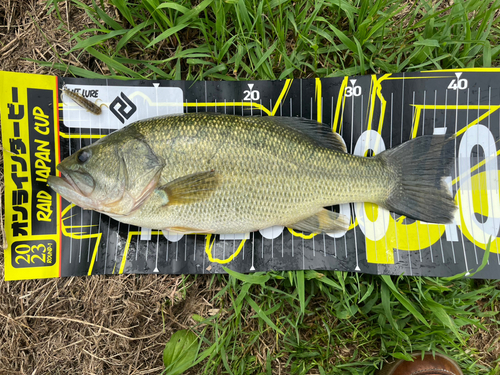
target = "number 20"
x: 28, y: 258
x: 251, y: 95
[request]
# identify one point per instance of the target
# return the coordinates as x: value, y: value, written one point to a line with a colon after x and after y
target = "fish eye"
x: 83, y: 156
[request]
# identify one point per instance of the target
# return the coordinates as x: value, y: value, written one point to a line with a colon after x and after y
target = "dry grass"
x: 92, y: 325
x: 29, y: 32
x: 96, y: 325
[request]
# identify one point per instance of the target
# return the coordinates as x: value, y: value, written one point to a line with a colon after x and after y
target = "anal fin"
x: 324, y: 221
x: 186, y: 230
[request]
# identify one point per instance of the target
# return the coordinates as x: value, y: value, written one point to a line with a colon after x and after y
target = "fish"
x: 83, y: 102
x: 223, y: 174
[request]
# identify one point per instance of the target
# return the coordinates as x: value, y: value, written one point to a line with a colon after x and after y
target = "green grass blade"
x: 130, y: 35
x: 97, y: 39
x: 124, y: 8
x: 262, y: 315
x: 166, y: 34
x: 255, y: 278
x: 301, y: 288
x: 404, y: 301
x: 487, y: 54
x: 265, y: 56
x: 113, y: 64
x: 442, y: 315
x: 106, y: 18
x: 427, y: 42
x: 221, y: 68
x: 486, y: 257
x: 193, y: 13
x: 173, y: 6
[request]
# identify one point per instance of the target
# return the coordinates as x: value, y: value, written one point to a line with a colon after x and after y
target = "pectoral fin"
x: 191, y: 188
x: 324, y: 221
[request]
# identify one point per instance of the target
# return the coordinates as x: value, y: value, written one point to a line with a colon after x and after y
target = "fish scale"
x: 267, y: 175
x: 226, y: 174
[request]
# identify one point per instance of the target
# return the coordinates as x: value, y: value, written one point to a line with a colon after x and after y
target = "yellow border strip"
x: 239, y: 104
x: 318, y: 93
x: 82, y: 136
x: 340, y: 99
x: 491, y: 110
x: 416, y: 122
x: 302, y: 235
x: 284, y: 93
x: 94, y: 254
x: 423, y: 77
x: 376, y: 92
x: 81, y: 235
x: 127, y: 246
x: 208, y: 249
x: 491, y: 70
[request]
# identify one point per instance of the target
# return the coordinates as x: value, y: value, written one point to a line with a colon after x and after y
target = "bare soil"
x: 86, y: 325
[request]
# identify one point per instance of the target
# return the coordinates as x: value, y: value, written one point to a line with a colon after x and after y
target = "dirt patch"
x: 95, y: 325
x: 488, y: 339
x: 33, y: 31
x: 90, y: 325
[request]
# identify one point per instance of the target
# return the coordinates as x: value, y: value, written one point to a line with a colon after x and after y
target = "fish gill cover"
x: 49, y: 237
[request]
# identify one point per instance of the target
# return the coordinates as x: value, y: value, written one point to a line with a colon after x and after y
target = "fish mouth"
x: 80, y: 181
x: 66, y: 177
x: 68, y: 188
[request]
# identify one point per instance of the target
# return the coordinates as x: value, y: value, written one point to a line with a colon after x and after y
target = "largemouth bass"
x: 215, y: 173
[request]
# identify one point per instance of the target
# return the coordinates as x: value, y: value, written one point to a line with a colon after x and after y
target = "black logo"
x: 122, y: 113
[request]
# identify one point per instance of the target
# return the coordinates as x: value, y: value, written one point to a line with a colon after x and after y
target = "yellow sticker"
x: 31, y: 153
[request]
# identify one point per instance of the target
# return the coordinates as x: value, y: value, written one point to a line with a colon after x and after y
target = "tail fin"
x: 419, y: 191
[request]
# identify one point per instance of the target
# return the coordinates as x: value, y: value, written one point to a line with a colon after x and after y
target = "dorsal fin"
x: 317, y: 132
x: 314, y: 130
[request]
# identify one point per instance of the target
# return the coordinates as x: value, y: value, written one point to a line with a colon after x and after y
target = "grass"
x: 277, y: 39
x: 340, y: 323
x: 307, y: 322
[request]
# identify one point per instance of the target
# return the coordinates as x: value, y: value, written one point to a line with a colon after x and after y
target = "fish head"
x: 110, y: 177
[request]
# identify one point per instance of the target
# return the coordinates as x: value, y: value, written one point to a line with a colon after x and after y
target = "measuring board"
x: 49, y: 237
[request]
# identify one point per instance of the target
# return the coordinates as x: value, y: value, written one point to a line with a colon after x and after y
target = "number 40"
x: 458, y: 83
